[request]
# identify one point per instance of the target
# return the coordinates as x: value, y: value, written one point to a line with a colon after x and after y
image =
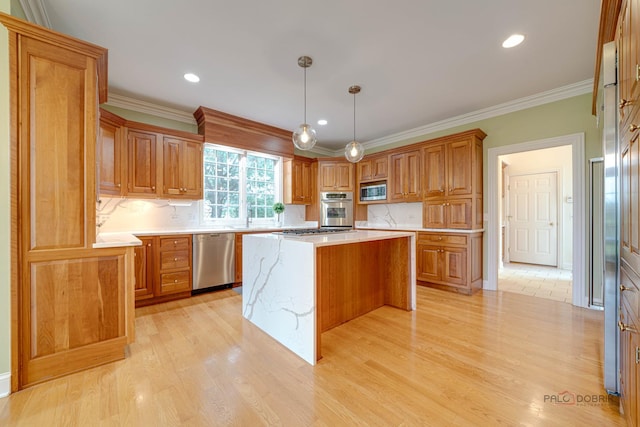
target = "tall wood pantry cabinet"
x: 449, y: 255
x: 628, y: 46
x: 72, y: 305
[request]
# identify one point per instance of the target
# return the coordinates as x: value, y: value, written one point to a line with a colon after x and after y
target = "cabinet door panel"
x: 412, y: 175
x: 142, y: 163
x: 57, y: 152
x: 144, y: 268
x: 428, y: 267
x: 379, y: 168
x: 434, y: 214
x: 625, y: 199
x: 78, y: 305
x: 458, y: 213
x: 110, y: 161
x: 171, y: 173
x: 174, y: 259
x: 396, y: 188
x: 191, y: 169
x: 454, y: 268
x: 459, y: 173
x: 434, y: 176
x: 344, y: 176
x: 365, y: 171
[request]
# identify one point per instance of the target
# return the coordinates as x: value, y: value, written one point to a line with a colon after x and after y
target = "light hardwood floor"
x: 495, y: 358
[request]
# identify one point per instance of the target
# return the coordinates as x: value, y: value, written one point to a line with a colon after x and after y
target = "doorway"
x: 571, y: 213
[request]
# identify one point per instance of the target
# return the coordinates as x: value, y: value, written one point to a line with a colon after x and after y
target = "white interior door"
x: 533, y: 218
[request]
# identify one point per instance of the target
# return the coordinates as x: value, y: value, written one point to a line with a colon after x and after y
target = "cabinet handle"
x: 624, y: 327
x: 450, y: 190
x: 623, y: 288
x: 175, y: 259
x: 119, y: 185
x: 153, y: 188
x: 637, y: 72
x: 149, y: 244
x: 439, y: 238
x: 444, y: 204
x: 637, y: 355
x: 633, y: 128
x: 175, y: 281
x: 442, y: 190
x: 175, y: 242
x: 624, y: 103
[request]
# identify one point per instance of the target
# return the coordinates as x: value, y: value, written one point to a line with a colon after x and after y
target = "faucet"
x: 248, y: 214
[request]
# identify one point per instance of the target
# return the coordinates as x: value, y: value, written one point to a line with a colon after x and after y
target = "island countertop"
x: 341, y: 238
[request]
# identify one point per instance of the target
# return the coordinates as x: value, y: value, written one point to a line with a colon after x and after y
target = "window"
x: 238, y: 184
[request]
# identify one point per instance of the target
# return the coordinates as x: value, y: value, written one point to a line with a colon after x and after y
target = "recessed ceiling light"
x: 513, y: 40
x: 190, y: 77
x: 322, y: 122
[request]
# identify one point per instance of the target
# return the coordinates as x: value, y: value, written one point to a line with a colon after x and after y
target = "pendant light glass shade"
x: 304, y: 138
x: 354, y: 151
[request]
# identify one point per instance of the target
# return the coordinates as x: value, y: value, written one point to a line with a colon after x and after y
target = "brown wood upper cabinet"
x: 112, y: 168
x: 182, y: 168
x: 298, y: 181
x: 335, y: 176
x: 448, y: 169
x: 405, y: 178
x: 372, y: 168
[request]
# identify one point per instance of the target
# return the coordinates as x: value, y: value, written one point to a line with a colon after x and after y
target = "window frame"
x: 242, y: 220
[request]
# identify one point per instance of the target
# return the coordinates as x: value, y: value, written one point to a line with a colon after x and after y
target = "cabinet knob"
x: 442, y: 190
x: 149, y: 244
x: 633, y: 128
x: 119, y: 185
x: 439, y: 238
x: 175, y: 242
x: 624, y: 103
x: 175, y: 259
x: 444, y: 204
x: 153, y: 188
x: 450, y: 190
x: 175, y: 281
x: 623, y: 288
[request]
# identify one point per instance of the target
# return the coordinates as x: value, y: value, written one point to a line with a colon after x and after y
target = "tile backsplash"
x: 127, y: 215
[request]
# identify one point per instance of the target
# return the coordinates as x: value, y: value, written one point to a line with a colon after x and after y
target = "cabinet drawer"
x: 174, y: 243
x: 175, y: 282
x: 445, y: 239
x: 174, y: 259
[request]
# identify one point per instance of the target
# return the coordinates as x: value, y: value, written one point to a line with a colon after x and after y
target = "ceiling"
x: 417, y: 61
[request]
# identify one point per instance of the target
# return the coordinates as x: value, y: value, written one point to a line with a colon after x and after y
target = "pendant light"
x: 354, y: 151
x: 304, y: 137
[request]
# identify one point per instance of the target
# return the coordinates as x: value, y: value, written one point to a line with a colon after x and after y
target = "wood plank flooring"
x: 490, y: 359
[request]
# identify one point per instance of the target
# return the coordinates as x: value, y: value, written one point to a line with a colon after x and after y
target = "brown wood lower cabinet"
x: 629, y: 344
x: 449, y: 261
x: 163, y: 269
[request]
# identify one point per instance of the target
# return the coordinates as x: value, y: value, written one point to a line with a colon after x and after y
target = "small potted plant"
x: 278, y: 208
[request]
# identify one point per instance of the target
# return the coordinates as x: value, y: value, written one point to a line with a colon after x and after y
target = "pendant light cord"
x: 305, y: 93
x: 354, y: 116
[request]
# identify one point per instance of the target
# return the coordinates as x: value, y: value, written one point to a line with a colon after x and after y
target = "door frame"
x: 559, y: 219
x: 577, y: 142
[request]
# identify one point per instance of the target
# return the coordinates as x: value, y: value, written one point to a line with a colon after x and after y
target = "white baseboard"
x: 485, y: 286
x: 5, y: 384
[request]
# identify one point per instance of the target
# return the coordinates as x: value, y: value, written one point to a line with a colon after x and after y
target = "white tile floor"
x: 536, y: 280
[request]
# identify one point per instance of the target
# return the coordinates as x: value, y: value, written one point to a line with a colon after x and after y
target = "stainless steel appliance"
x: 611, y: 219
x: 373, y: 191
x: 336, y: 209
x: 214, y: 261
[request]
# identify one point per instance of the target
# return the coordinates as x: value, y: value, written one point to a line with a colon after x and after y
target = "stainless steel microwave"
x: 371, y: 192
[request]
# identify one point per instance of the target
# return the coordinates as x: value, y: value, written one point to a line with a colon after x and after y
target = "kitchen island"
x: 295, y: 288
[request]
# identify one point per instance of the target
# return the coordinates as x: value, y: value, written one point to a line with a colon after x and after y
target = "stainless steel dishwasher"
x: 214, y: 261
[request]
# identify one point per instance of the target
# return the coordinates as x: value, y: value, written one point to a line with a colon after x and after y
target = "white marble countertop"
x: 415, y: 228
x: 341, y: 238
x: 115, y: 240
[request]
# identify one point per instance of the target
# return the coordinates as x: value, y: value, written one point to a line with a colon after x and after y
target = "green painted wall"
x: 150, y: 119
x: 16, y: 10
x: 5, y: 214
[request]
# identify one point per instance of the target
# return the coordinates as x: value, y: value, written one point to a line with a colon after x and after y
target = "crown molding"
x: 564, y: 92
x: 36, y: 12
x: 121, y: 101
